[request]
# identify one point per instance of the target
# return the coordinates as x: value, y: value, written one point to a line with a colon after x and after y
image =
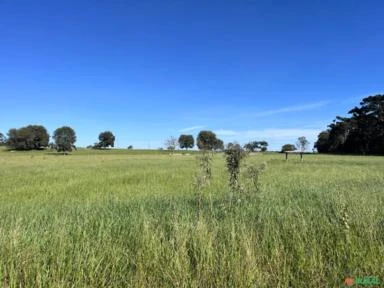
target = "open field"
x: 129, y: 219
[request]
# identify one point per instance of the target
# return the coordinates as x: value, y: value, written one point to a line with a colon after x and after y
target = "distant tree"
x: 302, y: 143
x: 362, y: 133
x: 219, y: 145
x: 263, y: 149
x: 106, y: 139
x: 366, y: 134
x: 206, y: 140
x: 322, y: 143
x: 263, y: 146
x: 130, y: 147
x: 288, y: 147
x: 339, y: 131
x: 3, y: 140
x: 65, y: 138
x: 249, y: 147
x: 186, y: 141
x: 256, y: 146
x: 234, y: 145
x: 171, y: 143
x: 28, y: 138
x: 96, y: 145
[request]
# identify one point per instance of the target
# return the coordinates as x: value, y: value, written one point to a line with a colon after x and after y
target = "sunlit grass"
x: 128, y: 219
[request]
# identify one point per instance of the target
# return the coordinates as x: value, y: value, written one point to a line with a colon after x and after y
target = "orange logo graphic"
x: 349, y: 281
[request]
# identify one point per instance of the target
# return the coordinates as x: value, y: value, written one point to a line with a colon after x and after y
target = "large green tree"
x: 28, y: 138
x: 186, y: 141
x: 106, y: 139
x: 65, y: 138
x: 207, y: 140
x: 322, y: 144
x: 338, y: 133
x: 367, y: 123
x: 362, y: 133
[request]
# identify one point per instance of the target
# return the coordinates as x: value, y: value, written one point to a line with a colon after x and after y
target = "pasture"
x: 124, y: 218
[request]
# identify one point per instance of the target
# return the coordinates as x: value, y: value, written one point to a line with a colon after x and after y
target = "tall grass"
x: 116, y: 219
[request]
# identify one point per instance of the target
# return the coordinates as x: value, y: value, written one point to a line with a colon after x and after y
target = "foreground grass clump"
x: 121, y: 219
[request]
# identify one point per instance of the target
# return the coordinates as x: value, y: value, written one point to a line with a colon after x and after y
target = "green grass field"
x: 130, y: 219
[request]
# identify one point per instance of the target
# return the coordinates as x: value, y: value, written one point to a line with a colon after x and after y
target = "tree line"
x: 36, y: 137
x: 207, y: 140
x: 361, y: 133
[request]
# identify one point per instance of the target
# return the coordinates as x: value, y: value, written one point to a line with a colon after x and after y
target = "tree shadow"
x: 57, y: 154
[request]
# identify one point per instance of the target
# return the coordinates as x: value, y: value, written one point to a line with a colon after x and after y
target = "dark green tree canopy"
x: 256, y: 146
x: 65, y: 138
x: 219, y: 145
x: 288, y: 147
x: 322, y: 144
x: 3, y: 140
x: 28, y: 138
x: 206, y: 140
x: 186, y: 141
x: 362, y: 133
x: 106, y: 139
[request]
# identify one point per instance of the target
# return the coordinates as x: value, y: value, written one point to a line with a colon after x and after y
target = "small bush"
x: 234, y: 155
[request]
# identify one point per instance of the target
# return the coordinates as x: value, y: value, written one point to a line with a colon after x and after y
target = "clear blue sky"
x: 147, y: 70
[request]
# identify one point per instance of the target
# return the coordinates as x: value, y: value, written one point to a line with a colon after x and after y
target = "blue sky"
x: 147, y: 70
